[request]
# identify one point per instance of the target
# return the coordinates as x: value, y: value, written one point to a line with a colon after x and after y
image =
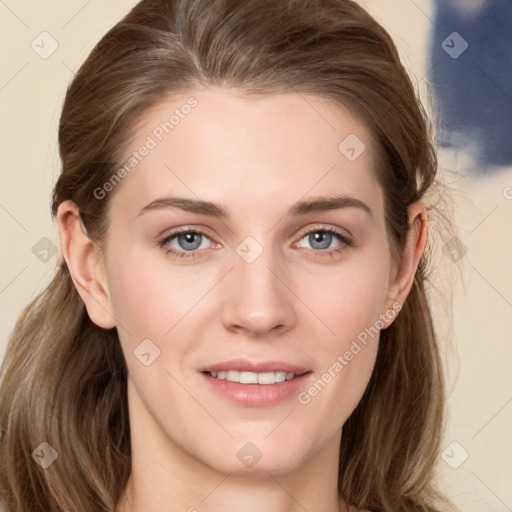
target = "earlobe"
x: 86, y: 265
x: 401, y: 285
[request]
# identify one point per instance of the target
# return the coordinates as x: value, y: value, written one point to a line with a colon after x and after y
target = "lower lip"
x: 257, y: 395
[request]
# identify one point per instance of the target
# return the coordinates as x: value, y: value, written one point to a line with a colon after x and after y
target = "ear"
x: 86, y: 265
x: 403, y: 277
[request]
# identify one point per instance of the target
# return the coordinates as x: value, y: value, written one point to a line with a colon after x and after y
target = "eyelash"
x: 345, y: 242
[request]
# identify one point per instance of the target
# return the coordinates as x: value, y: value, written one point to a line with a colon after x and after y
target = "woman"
x: 239, y: 318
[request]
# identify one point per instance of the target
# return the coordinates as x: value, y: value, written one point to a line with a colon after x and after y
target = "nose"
x: 258, y: 297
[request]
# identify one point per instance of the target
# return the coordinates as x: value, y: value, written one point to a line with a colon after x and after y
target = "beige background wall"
x: 478, y: 348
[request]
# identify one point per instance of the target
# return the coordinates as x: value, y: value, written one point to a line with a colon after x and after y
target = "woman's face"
x: 267, y: 287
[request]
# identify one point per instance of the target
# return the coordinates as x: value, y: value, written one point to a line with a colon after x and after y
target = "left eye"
x: 322, y: 239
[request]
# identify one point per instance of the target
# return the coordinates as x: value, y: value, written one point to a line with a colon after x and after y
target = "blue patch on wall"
x: 471, y: 71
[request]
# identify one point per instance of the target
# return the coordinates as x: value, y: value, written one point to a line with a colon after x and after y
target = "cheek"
x: 351, y: 307
x: 350, y: 299
x: 149, y: 299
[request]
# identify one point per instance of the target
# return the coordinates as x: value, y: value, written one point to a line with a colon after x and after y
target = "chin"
x: 248, y: 458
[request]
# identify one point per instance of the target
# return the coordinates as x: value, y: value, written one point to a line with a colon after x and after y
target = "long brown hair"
x: 64, y: 378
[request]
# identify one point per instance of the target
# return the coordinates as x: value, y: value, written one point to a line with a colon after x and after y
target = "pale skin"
x: 257, y: 157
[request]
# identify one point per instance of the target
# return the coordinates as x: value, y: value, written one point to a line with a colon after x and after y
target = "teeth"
x: 248, y: 378
x: 252, y: 377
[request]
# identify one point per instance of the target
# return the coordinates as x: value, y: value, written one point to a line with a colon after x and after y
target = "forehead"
x: 244, y: 151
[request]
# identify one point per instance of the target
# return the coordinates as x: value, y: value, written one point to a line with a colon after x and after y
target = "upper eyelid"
x: 322, y: 227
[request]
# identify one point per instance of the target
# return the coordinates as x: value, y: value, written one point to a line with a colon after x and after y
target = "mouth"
x: 245, y: 371
x: 256, y: 384
x: 245, y: 377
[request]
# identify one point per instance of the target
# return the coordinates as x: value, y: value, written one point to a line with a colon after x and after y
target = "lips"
x: 255, y: 383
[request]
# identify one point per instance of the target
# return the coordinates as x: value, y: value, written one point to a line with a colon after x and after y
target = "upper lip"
x: 246, y: 365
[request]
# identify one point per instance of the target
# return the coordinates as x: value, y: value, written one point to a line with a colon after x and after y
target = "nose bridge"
x: 258, y: 299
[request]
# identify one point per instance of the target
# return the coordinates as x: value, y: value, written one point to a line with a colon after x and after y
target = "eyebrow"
x: 318, y: 204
